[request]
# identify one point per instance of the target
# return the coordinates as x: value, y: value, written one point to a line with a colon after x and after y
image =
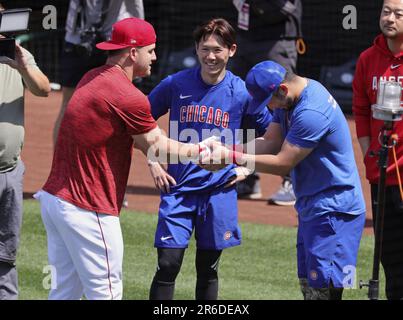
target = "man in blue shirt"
x: 309, y: 135
x: 203, y: 101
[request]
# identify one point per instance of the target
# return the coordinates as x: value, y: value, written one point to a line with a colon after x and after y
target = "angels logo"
x: 375, y: 80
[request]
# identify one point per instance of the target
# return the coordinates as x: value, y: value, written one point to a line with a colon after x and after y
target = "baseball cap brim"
x: 257, y: 105
x: 106, y: 45
x: 262, y: 81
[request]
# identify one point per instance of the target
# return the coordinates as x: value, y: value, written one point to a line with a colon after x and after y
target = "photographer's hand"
x: 33, y: 77
x: 21, y: 58
x: 20, y: 62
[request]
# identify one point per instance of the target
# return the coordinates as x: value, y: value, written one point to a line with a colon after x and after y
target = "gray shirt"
x: 11, y: 115
x: 80, y: 18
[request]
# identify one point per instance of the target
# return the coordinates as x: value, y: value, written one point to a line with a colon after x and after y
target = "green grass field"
x: 262, y: 268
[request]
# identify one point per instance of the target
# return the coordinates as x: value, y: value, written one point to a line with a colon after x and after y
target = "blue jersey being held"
x: 196, y: 111
x: 327, y: 179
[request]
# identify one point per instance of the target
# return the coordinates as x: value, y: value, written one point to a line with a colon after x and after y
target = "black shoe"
x: 249, y: 188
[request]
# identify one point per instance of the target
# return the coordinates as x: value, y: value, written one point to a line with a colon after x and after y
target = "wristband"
x: 236, y: 155
x: 151, y: 162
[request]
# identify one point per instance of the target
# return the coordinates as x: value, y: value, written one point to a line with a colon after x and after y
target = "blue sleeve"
x: 160, y: 98
x: 307, y: 129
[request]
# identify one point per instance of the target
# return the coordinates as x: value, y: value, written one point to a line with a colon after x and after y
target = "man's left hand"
x: 241, y: 174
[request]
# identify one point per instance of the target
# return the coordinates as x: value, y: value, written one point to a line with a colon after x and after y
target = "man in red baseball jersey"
x: 384, y: 60
x: 82, y: 198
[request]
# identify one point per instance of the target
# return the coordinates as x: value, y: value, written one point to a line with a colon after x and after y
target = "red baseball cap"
x: 129, y: 32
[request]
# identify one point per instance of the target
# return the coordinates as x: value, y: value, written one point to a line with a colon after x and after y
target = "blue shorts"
x: 327, y: 249
x: 213, y: 216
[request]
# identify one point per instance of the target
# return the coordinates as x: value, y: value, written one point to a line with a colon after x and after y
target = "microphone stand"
x: 384, y: 140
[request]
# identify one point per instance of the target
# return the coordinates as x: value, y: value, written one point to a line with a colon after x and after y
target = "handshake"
x: 213, y: 155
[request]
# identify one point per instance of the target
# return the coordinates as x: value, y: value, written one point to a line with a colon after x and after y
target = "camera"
x: 12, y: 22
x: 89, y: 38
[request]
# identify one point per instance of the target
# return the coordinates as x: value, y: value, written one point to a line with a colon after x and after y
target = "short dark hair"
x: 289, y: 76
x: 116, y: 52
x: 1, y: 7
x: 217, y: 26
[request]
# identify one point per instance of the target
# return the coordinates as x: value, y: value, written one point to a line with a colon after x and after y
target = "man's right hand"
x: 162, y: 179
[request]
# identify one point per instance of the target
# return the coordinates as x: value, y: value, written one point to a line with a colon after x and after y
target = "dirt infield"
x: 40, y: 115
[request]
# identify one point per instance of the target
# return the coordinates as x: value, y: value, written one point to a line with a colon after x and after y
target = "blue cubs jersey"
x: 327, y: 179
x: 197, y: 111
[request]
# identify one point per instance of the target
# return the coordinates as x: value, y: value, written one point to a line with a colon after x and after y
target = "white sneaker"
x: 284, y: 196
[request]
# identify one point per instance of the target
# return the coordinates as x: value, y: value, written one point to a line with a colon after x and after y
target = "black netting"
x: 328, y: 43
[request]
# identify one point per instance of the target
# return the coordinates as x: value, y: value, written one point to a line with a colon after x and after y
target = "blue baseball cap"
x: 262, y: 81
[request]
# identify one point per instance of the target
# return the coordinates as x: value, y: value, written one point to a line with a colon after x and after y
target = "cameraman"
x: 13, y: 73
x: 89, y: 22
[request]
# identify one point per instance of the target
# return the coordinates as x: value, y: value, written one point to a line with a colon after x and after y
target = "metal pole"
x: 373, y: 286
x: 384, y: 137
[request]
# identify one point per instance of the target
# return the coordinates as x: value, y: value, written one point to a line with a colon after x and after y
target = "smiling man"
x: 201, y: 99
x: 383, y: 60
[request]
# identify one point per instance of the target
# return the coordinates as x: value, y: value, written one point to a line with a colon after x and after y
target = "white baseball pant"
x: 85, y: 250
